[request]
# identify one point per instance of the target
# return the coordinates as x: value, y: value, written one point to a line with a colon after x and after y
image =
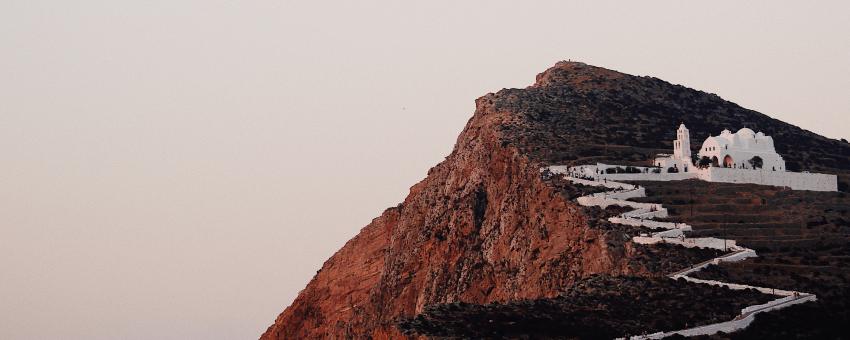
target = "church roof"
x: 746, y: 133
x: 742, y: 139
x: 720, y: 140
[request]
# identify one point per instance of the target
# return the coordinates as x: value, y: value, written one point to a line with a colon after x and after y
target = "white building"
x: 681, y: 157
x: 729, y: 155
x: 732, y: 159
x: 737, y: 150
x: 728, y: 150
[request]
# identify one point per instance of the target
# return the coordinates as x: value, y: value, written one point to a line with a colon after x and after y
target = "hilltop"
x: 485, y: 227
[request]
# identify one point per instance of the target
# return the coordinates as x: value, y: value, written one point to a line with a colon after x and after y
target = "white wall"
x: 664, y: 176
x: 793, y: 180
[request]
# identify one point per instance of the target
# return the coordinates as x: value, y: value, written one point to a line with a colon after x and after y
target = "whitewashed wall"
x: 651, y: 177
x: 793, y: 180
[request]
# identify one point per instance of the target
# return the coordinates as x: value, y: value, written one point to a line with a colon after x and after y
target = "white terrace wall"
x: 664, y: 176
x: 646, y: 174
x: 793, y: 180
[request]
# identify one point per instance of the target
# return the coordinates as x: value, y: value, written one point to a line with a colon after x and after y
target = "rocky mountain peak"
x: 575, y: 74
x: 486, y: 227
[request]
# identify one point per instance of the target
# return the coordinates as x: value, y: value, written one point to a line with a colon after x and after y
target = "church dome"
x: 746, y: 133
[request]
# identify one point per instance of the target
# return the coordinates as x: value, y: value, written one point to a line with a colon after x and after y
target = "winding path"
x: 669, y: 232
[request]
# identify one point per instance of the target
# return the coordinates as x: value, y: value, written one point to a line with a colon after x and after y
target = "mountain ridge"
x: 484, y: 227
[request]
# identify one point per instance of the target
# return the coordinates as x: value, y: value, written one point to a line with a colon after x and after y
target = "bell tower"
x: 682, y: 144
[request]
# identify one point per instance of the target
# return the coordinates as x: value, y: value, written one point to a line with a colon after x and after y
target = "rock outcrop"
x: 484, y: 226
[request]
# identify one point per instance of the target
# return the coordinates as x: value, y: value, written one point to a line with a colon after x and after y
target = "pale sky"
x: 180, y: 169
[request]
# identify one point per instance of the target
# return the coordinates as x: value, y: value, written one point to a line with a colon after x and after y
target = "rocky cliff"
x: 484, y: 226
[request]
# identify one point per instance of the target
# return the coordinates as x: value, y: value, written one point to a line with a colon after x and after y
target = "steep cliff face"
x: 481, y: 227
x: 484, y: 227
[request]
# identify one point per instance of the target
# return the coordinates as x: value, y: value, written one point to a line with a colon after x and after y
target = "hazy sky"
x: 180, y: 169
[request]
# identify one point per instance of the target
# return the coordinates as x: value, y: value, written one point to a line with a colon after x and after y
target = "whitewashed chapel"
x: 744, y: 149
x: 741, y: 157
x: 739, y: 149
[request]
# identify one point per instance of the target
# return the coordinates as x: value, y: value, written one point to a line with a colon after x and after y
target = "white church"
x: 741, y: 157
x: 744, y: 149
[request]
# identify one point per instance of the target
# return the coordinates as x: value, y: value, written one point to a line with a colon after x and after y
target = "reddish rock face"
x: 483, y: 226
